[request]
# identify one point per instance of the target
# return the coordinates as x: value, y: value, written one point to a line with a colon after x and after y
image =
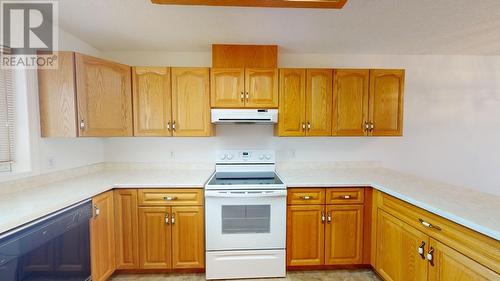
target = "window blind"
x: 7, y: 111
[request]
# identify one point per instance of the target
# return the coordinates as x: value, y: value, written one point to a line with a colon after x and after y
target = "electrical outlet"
x: 51, y: 162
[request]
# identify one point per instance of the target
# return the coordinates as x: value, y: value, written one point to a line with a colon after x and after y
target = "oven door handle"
x: 245, y: 194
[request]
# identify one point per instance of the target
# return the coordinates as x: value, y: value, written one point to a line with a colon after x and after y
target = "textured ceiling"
x: 362, y: 27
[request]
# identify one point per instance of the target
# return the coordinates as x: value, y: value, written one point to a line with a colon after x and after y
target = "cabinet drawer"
x: 345, y: 195
x: 161, y: 197
x: 306, y: 196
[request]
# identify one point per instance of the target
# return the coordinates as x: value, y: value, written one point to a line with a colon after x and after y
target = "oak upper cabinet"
x: 155, y: 238
x: 448, y: 264
x: 152, y: 101
x: 344, y: 234
x: 386, y: 102
x: 126, y: 229
x: 188, y: 237
x: 244, y: 87
x: 227, y: 87
x: 292, y: 99
x: 102, y: 237
x: 305, y: 102
x: 350, y: 106
x: 104, y: 97
x: 305, y: 235
x: 261, y: 85
x: 401, y: 249
x: 191, y: 102
x: 319, y: 98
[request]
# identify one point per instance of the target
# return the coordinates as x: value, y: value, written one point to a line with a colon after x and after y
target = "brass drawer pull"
x: 306, y: 197
x: 168, y: 198
x: 429, y: 225
x: 166, y: 218
x: 323, y: 218
x: 346, y: 197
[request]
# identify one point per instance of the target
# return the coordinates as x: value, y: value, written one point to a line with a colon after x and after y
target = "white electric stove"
x: 245, y: 202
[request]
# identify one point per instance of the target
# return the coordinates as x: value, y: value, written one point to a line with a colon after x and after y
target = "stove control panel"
x: 245, y: 156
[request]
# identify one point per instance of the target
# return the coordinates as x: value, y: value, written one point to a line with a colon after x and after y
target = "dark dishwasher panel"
x: 53, y: 248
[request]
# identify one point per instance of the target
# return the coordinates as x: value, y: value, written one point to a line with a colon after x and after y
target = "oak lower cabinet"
x: 398, y: 244
x: 126, y: 229
x: 85, y: 97
x: 305, y: 235
x: 412, y: 244
x: 171, y: 229
x: 244, y: 87
x: 102, y: 237
x: 321, y: 234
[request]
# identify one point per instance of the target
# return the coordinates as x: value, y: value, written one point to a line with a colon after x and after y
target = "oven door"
x: 243, y: 220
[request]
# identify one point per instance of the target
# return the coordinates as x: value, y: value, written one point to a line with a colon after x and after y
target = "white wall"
x: 452, y: 121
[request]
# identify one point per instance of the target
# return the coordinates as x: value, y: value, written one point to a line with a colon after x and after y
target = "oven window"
x: 240, y: 219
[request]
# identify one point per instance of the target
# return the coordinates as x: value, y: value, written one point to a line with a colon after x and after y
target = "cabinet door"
x: 152, y: 101
x: 344, y: 234
x: 350, y: 106
x: 319, y: 98
x: 386, y: 102
x: 292, y: 102
x: 305, y: 235
x: 191, y: 102
x: 126, y: 229
x: 102, y: 237
x: 155, y: 238
x: 397, y: 256
x: 261, y: 85
x: 227, y: 87
x: 188, y: 243
x: 448, y: 264
x: 104, y: 97
x: 57, y: 98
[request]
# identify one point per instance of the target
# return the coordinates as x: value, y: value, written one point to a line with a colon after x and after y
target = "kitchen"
x: 349, y: 141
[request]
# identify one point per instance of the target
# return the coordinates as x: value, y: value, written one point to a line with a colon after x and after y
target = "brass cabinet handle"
x: 242, y: 96
x: 82, y: 124
x: 346, y: 197
x: 366, y: 126
x: 309, y: 126
x: 306, y: 197
x: 323, y: 217
x: 303, y: 126
x: 173, y: 218
x: 329, y: 218
x: 166, y: 218
x: 247, y: 96
x: 168, y: 126
x: 168, y: 198
x: 372, y: 126
x: 429, y: 225
x: 430, y: 256
x: 97, y: 211
x: 173, y: 126
x: 421, y: 250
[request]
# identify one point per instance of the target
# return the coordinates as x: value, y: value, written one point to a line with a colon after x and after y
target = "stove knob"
x: 229, y: 156
x: 268, y: 156
x: 261, y: 157
x: 223, y: 157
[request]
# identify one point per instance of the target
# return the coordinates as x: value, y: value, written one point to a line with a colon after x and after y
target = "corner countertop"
x: 466, y: 207
x: 28, y: 204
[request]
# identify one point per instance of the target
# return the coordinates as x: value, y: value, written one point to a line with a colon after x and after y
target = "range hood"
x: 244, y: 116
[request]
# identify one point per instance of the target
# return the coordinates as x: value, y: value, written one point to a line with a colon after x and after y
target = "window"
x: 7, y: 138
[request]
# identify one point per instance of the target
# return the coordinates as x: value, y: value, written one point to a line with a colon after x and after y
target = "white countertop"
x: 463, y: 206
x: 23, y: 206
x: 472, y: 209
